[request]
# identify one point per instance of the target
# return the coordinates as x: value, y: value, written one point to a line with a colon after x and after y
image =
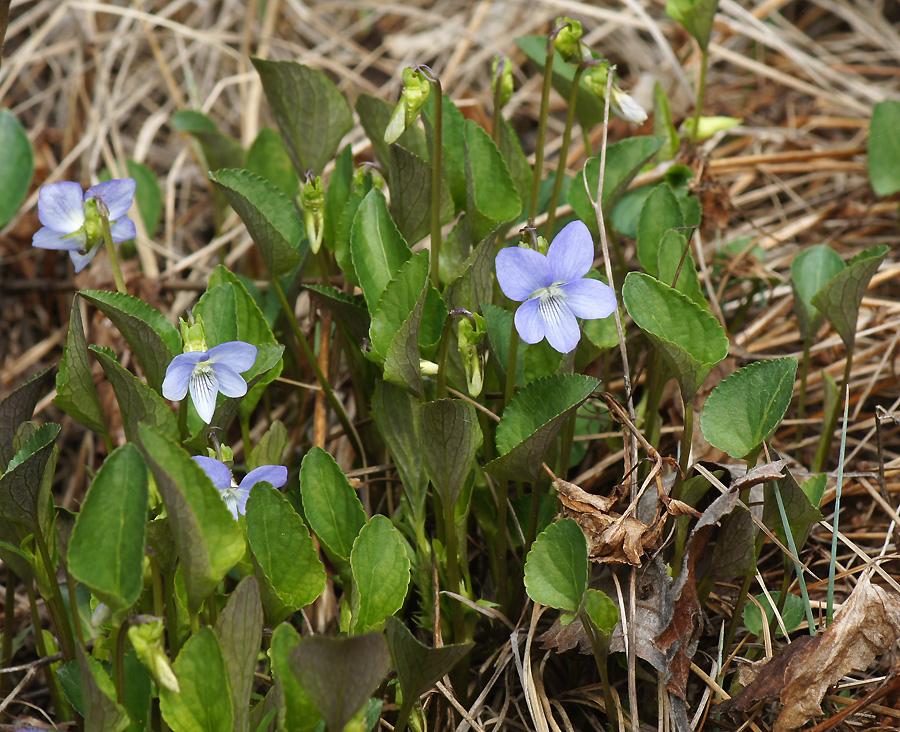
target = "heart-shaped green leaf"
x: 151, y: 336
x: 690, y: 340
x: 310, y: 111
x: 556, y: 570
x: 348, y: 311
x: 18, y: 165
x: 747, y: 406
x: 340, y: 674
x: 451, y: 436
x: 810, y: 271
x: 624, y: 160
x: 671, y: 250
x: 208, y: 539
x: 106, y: 551
x: 268, y: 157
x: 660, y: 212
x: 840, y: 298
x: 19, y: 407
x: 494, y: 192
x: 270, y: 216
x: 290, y: 572
x: 22, y: 485
x: 295, y: 709
x: 410, y: 182
x: 602, y: 611
x: 696, y: 16
x: 331, y: 506
x: 531, y: 421
x: 884, y: 147
x: 380, y: 569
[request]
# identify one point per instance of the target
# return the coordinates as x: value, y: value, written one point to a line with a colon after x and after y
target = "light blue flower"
x: 72, y: 220
x: 234, y: 495
x: 206, y: 373
x: 554, y: 288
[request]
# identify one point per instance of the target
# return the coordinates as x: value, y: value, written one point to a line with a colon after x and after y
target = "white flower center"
x: 551, y: 298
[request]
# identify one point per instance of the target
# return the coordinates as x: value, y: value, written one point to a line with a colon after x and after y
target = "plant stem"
x: 117, y: 641
x: 59, y: 701
x: 436, y: 154
x: 563, y: 153
x: 542, y: 127
x: 310, y: 357
x: 831, y: 419
x: 498, y: 109
x: 701, y: 88
x: 600, y: 650
x: 9, y: 625
x: 829, y: 607
x: 801, y: 397
x: 55, y: 603
x: 113, y: 257
x: 687, y: 436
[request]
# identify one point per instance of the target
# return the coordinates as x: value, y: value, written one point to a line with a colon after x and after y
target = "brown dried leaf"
x: 867, y: 626
x: 611, y: 537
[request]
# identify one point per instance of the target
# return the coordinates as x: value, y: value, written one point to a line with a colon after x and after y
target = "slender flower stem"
x: 563, y: 153
x: 542, y: 127
x: 701, y: 89
x: 687, y: 437
x: 55, y: 603
x: 310, y: 357
x: 600, y: 650
x: 113, y: 257
x: 511, y: 365
x: 437, y: 152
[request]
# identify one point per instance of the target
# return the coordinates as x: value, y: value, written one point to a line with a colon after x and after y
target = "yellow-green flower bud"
x: 469, y: 340
x: 416, y: 89
x: 147, y: 640
x: 312, y: 201
x: 504, y: 77
x: 193, y: 334
x: 568, y: 40
x: 428, y: 368
x: 709, y: 126
x: 371, y: 170
x: 595, y: 78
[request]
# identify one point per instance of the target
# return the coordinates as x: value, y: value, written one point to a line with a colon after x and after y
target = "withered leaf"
x: 867, y: 626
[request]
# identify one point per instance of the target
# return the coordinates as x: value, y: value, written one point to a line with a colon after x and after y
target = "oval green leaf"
x: 810, y: 271
x: 747, y: 406
x: 18, y: 165
x: 690, y: 340
x: 556, y: 570
x: 884, y: 147
x: 792, y: 614
x: 450, y: 437
x: 660, y: 212
x: 380, y: 568
x: 23, y: 483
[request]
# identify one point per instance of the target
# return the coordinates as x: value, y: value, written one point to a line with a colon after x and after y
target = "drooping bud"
x: 595, y: 77
x: 568, y: 40
x: 368, y: 170
x: 428, y: 368
x: 416, y: 89
x: 312, y: 201
x: 146, y: 636
x: 193, y: 334
x: 501, y: 74
x: 709, y: 126
x: 626, y: 107
x: 470, y: 338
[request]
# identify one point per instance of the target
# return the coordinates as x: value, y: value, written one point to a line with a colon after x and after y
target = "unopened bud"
x: 568, y: 40
x: 193, y: 334
x: 625, y: 107
x: 147, y: 640
x: 416, y: 89
x: 312, y: 201
x: 501, y: 74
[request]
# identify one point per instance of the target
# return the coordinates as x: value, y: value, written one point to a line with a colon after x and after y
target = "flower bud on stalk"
x: 568, y: 40
x: 416, y: 89
x: 312, y: 201
x: 146, y: 636
x: 501, y: 73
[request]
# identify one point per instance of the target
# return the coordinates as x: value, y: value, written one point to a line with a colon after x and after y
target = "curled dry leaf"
x: 611, y: 536
x: 867, y: 626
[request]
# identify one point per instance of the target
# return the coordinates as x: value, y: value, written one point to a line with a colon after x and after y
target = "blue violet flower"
x: 234, y: 495
x: 72, y: 221
x: 553, y: 289
x: 206, y: 373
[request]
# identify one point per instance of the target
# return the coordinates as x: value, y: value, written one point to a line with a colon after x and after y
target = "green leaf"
x: 292, y: 576
x: 219, y: 149
x: 531, y: 421
x: 340, y: 674
x: 270, y: 216
x: 410, y: 182
x: 602, y: 611
x: 624, y: 160
x: 810, y: 271
x: 342, y: 251
x: 106, y: 551
x: 690, y: 340
x: 271, y: 447
x: 671, y: 249
x: 840, y: 297
x: 208, y: 539
x: 696, y: 16
x: 516, y: 162
x: 203, y: 679
x: 814, y: 489
x: 747, y: 406
x: 450, y: 438
x: 268, y: 158
x: 340, y: 186
x: 801, y: 513
x: 660, y: 213
x: 398, y: 300
x: 374, y: 114
x: 376, y: 246
x: 495, y: 193
x: 474, y: 281
x: 589, y: 108
x: 556, y: 569
x: 296, y: 712
x: 884, y: 148
x: 330, y: 505
x: 401, y: 361
x: 734, y: 554
x: 499, y: 322
x: 453, y: 141
x: 310, y: 111
x: 380, y: 570
x: 138, y: 403
x: 154, y: 340
x: 22, y: 486
x: 418, y: 666
x: 349, y: 311
x: 19, y: 407
x: 147, y: 196
x: 541, y: 359
x: 76, y: 393
x: 239, y: 631
x: 18, y: 166
x: 793, y: 613
x: 663, y: 126
x: 101, y: 711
